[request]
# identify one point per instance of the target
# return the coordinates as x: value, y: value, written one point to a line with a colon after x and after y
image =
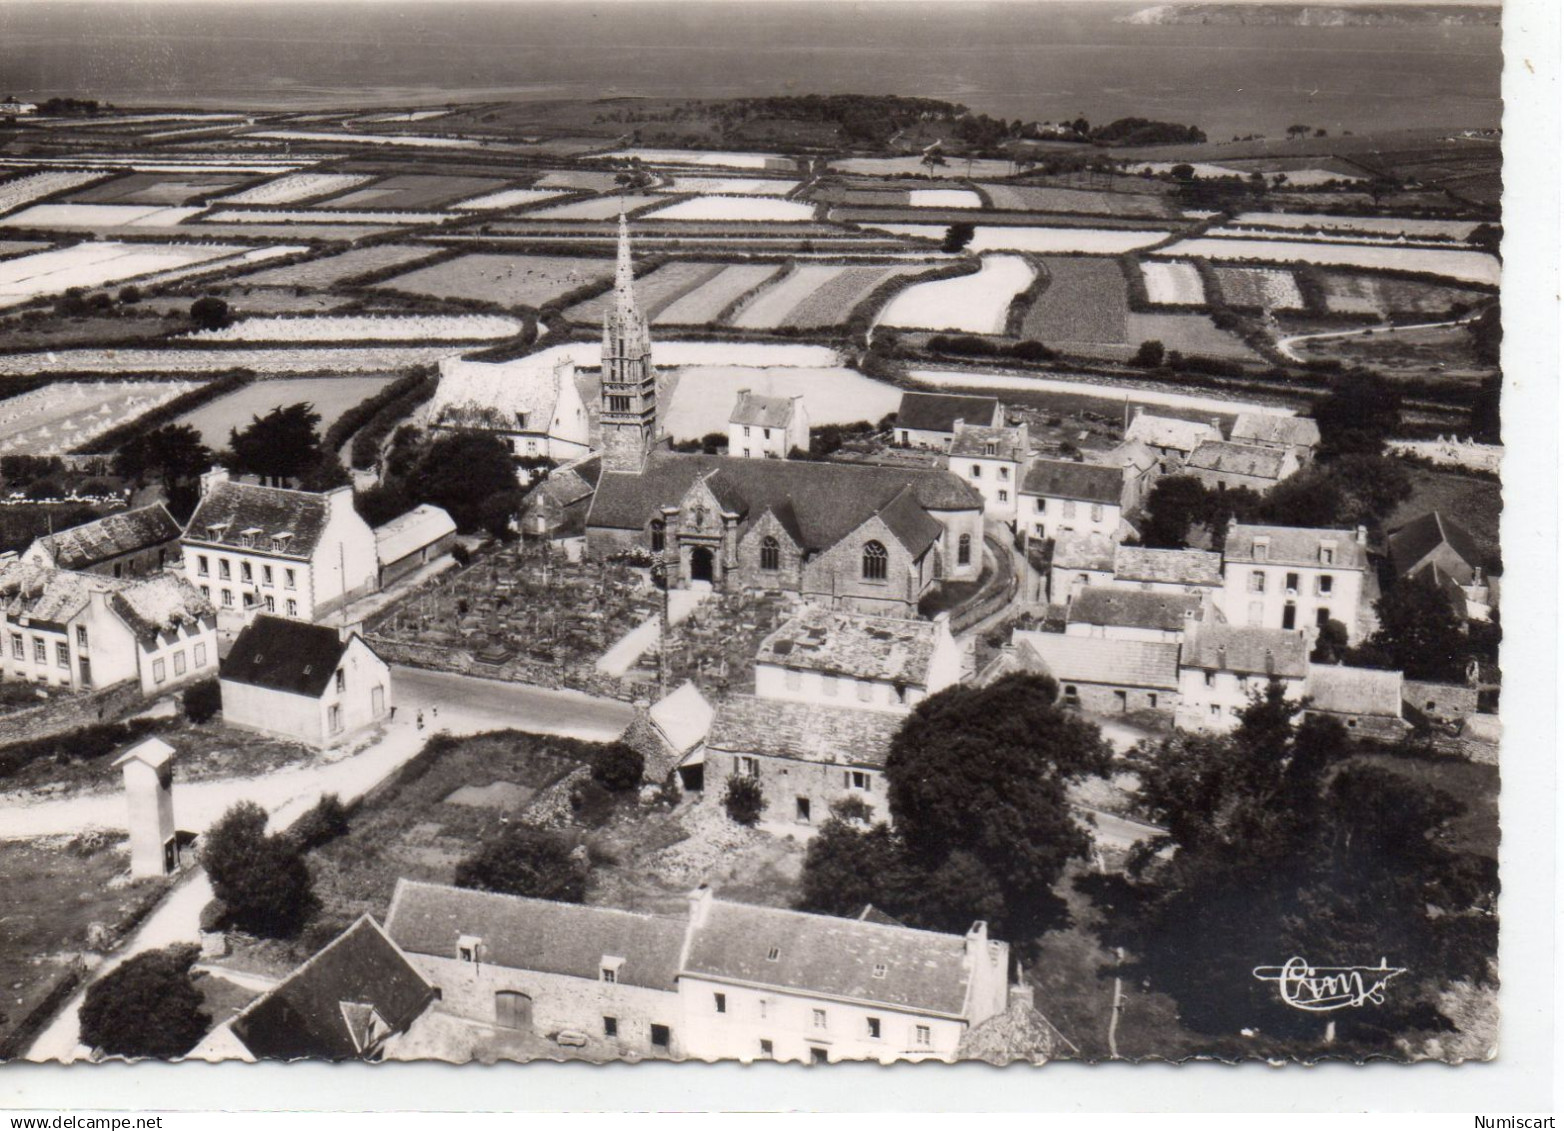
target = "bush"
x: 523, y: 860
x: 261, y: 877
x: 321, y: 825
x: 84, y: 745
x: 743, y: 799
x: 130, y: 295
x: 1149, y: 355
x: 202, y: 701
x: 146, y: 1007
x: 618, y: 767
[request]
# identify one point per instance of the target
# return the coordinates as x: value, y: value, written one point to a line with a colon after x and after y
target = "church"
x: 861, y: 538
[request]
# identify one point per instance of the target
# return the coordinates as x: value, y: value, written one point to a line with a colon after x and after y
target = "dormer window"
x: 879, y: 969
x: 468, y: 948
x: 521, y: 421
x: 250, y: 536
x: 214, y: 531
x: 608, y: 969
x: 280, y: 542
x: 990, y: 448
x: 774, y: 954
x: 1262, y: 549
x: 1328, y: 553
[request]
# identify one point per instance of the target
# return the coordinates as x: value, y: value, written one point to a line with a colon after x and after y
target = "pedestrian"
x: 420, y: 720
x: 436, y: 710
x: 393, y: 712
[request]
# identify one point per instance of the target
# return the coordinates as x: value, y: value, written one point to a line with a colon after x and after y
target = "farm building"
x: 1293, y: 577
x: 1366, y: 701
x: 1061, y: 497
x: 767, y: 427
x: 557, y: 507
x: 127, y: 544
x: 1171, y: 438
x: 535, y: 409
x: 1131, y: 614
x: 408, y: 543
x: 1105, y: 677
x: 848, y: 659
x: 1224, y: 666
x: 1298, y: 434
x: 669, y: 731
x: 1447, y: 703
x: 1222, y: 465
x: 993, y: 460
x: 928, y: 420
x: 1434, y: 548
x: 303, y: 682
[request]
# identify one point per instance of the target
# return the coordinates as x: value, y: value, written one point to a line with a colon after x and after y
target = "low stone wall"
x: 437, y: 657
x: 70, y: 712
x: 550, y: 807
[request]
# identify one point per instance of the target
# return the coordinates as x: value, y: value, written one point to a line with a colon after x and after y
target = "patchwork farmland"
x: 815, y: 295
x: 1084, y: 301
x: 1259, y: 288
x: 974, y: 304
x: 505, y: 280
x: 59, y: 418
x: 333, y: 270
x: 331, y: 397
x: 708, y: 301
x: 1173, y: 284
x: 367, y: 328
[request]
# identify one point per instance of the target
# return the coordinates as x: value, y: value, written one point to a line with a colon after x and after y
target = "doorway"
x: 701, y: 564
x: 512, y: 1009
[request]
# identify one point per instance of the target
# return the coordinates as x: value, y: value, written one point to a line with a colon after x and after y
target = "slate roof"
x: 271, y: 510
x: 111, y: 536
x: 284, y: 655
x: 761, y: 411
x: 1019, y: 1033
x: 818, y: 503
x: 674, y: 726
x: 1134, y: 608
x: 422, y: 526
x: 1341, y: 690
x: 1226, y: 458
x: 1078, y: 550
x: 479, y: 394
x: 1270, y: 428
x: 570, y: 939
x: 804, y: 732
x: 852, y: 644
x: 1094, y: 659
x: 317, y: 1011
x: 1066, y: 479
x: 1128, y: 454
x: 1175, y: 567
x: 1170, y: 432
x: 1411, y: 543
x: 974, y: 440
x: 53, y: 596
x: 160, y: 603
x: 1295, y: 545
x: 913, y: 526
x: 826, y: 955
x: 1247, y: 650
x: 938, y: 412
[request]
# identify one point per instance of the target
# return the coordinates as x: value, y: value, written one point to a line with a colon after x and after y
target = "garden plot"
x: 703, y: 157
x: 1046, y: 198
x: 703, y: 395
x: 583, y: 180
x: 1086, y: 241
x: 1173, y: 284
x: 755, y: 209
x: 653, y: 292
x: 507, y: 198
x: 708, y: 300
x: 98, y: 216
x: 1465, y: 266
x: 1259, y: 288
x: 25, y: 190
x: 944, y: 198
x: 156, y: 188
x: 1351, y: 293
x: 595, y: 208
x: 732, y: 186
x: 414, y: 191
x: 975, y: 304
x: 331, y: 396
x: 953, y: 167
x: 58, y: 418
x: 368, y: 328
x: 334, y: 269
x: 1193, y: 335
x: 505, y: 280
x: 96, y: 263
x: 411, y: 140
x: 1085, y: 301
x: 323, y: 216
x: 297, y: 187
x: 1359, y: 225
x: 219, y: 359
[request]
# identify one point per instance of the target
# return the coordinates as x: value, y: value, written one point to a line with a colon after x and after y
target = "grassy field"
x: 654, y: 293
x: 156, y: 188
x: 295, y: 187
x: 504, y: 280
x: 736, y: 209
x: 708, y: 300
x: 596, y: 208
x: 1460, y: 266
x: 1351, y: 293
x: 1446, y: 353
x: 1046, y: 198
x: 414, y: 190
x: 331, y: 396
x: 1259, y: 288
x: 334, y: 269
x: 1086, y: 300
x: 815, y: 295
x: 975, y: 304
x: 1173, y: 284
x: 1190, y: 334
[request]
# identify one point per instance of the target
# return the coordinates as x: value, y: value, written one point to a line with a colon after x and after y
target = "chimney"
x: 1139, y: 409
x: 976, y: 946
x: 1216, y: 423
x: 700, y: 905
x: 1363, y: 536
x: 212, y: 479
x: 1221, y: 656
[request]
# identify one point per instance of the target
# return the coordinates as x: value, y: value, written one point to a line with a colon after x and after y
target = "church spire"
x: 624, y: 272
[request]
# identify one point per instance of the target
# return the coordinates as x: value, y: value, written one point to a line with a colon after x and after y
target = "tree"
x: 958, y: 236
x: 202, y: 701
x: 471, y: 476
x: 1486, y: 237
x: 261, y: 877
x: 846, y: 867
x: 1487, y: 333
x: 173, y: 453
x: 147, y: 1006
x: 1149, y: 355
x: 743, y: 800
x: 129, y: 295
x: 1358, y: 414
x: 279, y: 446
x: 209, y: 313
x: 1485, y: 420
x: 1297, y: 133
x: 1419, y: 633
x: 1174, y: 504
x: 525, y: 860
x: 327, y: 820
x: 1182, y: 172
x: 618, y: 766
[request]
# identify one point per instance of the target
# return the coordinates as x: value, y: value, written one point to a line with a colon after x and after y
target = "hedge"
x: 367, y: 440
x: 116, y: 438
x: 360, y: 414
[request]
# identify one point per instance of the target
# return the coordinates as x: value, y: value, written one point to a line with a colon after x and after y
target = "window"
x: 746, y: 767
x: 858, y: 779
x: 922, y: 1036
x: 1323, y: 584
x: 1290, y: 616
x: 1211, y: 679
x: 977, y: 471
x: 659, y: 535
x: 772, y: 955
x: 159, y: 671
x: 266, y: 575
x: 271, y: 603
x: 875, y: 562
x: 1004, y: 475
x: 720, y: 1002
x: 1040, y: 530
x: 770, y: 554
x: 1262, y: 549
x: 40, y: 651
x: 245, y: 572
x: 1072, y: 695
x: 1042, y: 506
x: 964, y: 550
x: 1096, y: 512
x: 287, y: 578
x: 765, y: 1006
x: 1004, y: 496
x: 1216, y: 711
x: 879, y: 969
x: 342, y: 680
x: 1257, y: 581
x: 81, y: 636
x: 662, y: 1036
x: 819, y: 1019
x: 179, y: 663
x: 746, y: 453
x: 802, y: 809
x: 766, y: 432
x: 468, y: 947
x: 206, y: 591
x: 62, y: 655
x: 618, y: 404
x: 228, y: 598
x: 200, y: 655
x: 18, y: 649
x: 1069, y: 508
x: 873, y: 1026
x: 1328, y: 554
x: 293, y: 608
x: 1292, y: 583
x: 766, y: 1051
x: 610, y: 1026
x: 224, y: 569
x: 1151, y: 700
x: 990, y: 448
x: 746, y: 431
x: 609, y: 975
x: 334, y: 718
x: 203, y: 566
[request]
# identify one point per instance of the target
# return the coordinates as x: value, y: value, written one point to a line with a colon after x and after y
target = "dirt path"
x: 1285, y: 344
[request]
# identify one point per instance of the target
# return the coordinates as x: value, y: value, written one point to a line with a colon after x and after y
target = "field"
x: 325, y: 216
x: 24, y: 190
x: 975, y: 304
x: 98, y: 216
x: 1351, y: 293
x: 589, y: 180
x: 507, y: 198
x: 384, y: 328
x: 1371, y: 225
x: 1045, y: 198
x: 595, y: 208
x: 992, y: 237
x: 758, y: 209
x: 674, y: 353
x: 414, y: 190
x: 1173, y: 284
x: 1444, y: 352
x: 1190, y: 334
x: 733, y: 186
x: 155, y: 188
x: 1259, y: 288
x: 94, y: 264
x: 944, y: 198
x: 955, y: 167
x: 1086, y: 300
x: 265, y: 360
x: 413, y: 140
x: 57, y: 418
x: 507, y: 280
x: 296, y: 187
x: 702, y: 397
x: 814, y: 295
x: 332, y: 233
x: 331, y: 396
x: 335, y: 269
x: 10, y: 248
x: 1465, y: 266
x: 712, y: 297
x: 705, y: 157
x: 654, y: 292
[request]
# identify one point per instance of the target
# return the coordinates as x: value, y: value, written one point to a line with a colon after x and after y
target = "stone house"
x: 763, y: 427
x: 1061, y: 497
x: 670, y: 731
x: 1140, y: 465
x: 411, y: 541
x: 1078, y: 560
x: 130, y: 543
x: 1223, y: 667
x: 1222, y: 466
x: 1437, y: 549
x: 1131, y: 614
x: 1298, y: 434
x: 834, y: 658
x: 928, y: 420
x: 1367, y: 701
x: 295, y: 554
x: 557, y: 507
x: 1197, y: 572
x: 1106, y: 677
x: 993, y: 460
x: 535, y: 409
x: 1171, y: 438
x: 304, y: 682
x: 1293, y: 577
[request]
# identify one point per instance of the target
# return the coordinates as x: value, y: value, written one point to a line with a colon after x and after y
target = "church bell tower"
x: 629, y: 401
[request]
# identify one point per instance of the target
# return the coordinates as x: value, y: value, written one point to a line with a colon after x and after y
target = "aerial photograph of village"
x: 554, y: 531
